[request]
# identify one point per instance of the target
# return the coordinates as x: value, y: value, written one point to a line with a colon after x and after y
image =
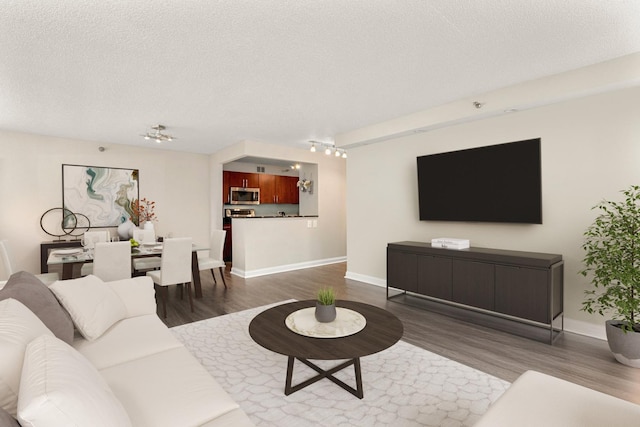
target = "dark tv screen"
x: 496, y: 183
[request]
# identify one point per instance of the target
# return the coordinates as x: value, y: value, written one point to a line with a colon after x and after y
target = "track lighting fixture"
x: 328, y: 149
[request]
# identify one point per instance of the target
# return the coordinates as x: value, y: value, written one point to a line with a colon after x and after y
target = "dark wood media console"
x: 524, y: 287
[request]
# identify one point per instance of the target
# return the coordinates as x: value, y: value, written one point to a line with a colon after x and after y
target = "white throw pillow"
x: 137, y: 294
x: 94, y: 307
x: 18, y: 327
x: 59, y: 387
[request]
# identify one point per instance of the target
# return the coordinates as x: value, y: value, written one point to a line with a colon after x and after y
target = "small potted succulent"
x: 326, y: 305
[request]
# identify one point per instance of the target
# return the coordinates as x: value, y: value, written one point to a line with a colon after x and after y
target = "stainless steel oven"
x: 244, y: 196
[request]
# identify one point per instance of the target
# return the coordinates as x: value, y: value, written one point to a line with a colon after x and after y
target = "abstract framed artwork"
x: 104, y: 195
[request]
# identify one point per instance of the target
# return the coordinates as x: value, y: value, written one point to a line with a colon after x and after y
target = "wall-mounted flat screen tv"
x: 496, y: 183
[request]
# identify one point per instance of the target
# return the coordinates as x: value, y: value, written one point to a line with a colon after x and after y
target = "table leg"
x: 358, y: 391
x: 67, y: 270
x: 195, y: 273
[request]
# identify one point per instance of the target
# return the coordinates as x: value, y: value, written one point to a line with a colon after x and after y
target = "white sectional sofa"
x: 122, y: 366
x: 539, y: 400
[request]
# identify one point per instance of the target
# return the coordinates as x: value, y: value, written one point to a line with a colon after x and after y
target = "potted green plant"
x: 326, y: 305
x: 612, y: 262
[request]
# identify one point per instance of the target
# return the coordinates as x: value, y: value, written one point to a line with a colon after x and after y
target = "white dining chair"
x: 175, y: 269
x: 7, y: 266
x: 146, y: 263
x: 112, y: 260
x: 215, y: 258
x: 89, y: 240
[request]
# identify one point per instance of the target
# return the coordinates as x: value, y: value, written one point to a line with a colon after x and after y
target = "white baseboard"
x: 366, y: 279
x: 584, y: 328
x: 282, y: 268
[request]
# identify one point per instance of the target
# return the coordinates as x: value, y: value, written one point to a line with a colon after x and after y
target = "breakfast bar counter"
x: 266, y: 245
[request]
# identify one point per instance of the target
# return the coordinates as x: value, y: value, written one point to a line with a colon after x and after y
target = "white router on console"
x: 449, y: 243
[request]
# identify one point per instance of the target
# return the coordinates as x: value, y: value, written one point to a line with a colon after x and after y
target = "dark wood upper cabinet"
x: 274, y: 189
x: 237, y: 179
x: 267, y: 188
x: 287, y: 189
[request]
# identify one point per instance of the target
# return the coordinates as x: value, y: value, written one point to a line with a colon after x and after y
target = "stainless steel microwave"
x: 244, y: 196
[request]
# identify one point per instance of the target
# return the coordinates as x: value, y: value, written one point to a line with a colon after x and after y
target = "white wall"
x: 590, y: 151
x: 31, y: 183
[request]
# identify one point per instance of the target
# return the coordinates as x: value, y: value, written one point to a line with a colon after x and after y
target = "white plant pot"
x: 624, y: 346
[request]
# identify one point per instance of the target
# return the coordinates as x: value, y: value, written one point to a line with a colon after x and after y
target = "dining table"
x: 70, y: 257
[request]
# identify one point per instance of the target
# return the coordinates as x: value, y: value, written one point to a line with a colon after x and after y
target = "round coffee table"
x: 382, y: 330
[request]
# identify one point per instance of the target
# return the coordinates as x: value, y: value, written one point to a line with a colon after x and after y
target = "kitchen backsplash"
x: 268, y: 209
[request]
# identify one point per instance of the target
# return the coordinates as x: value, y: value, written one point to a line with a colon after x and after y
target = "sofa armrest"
x: 137, y: 294
x: 536, y: 399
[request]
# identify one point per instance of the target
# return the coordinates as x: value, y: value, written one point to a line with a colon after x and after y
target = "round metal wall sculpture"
x: 58, y: 227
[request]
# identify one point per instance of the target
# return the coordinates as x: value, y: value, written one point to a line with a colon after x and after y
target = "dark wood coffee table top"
x: 383, y: 329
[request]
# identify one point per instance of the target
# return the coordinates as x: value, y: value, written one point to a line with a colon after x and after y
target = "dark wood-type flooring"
x: 582, y: 360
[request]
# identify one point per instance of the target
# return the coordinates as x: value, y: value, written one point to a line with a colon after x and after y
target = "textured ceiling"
x: 279, y: 71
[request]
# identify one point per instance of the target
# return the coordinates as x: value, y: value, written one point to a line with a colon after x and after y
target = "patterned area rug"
x: 403, y: 385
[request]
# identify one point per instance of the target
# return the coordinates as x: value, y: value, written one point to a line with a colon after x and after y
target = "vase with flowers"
x: 144, y: 210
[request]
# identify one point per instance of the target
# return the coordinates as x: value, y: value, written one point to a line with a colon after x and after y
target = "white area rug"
x: 403, y: 385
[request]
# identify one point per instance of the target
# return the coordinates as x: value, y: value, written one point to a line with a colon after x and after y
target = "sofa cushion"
x: 92, y: 304
x: 171, y: 389
x: 30, y: 291
x: 129, y: 339
x: 59, y: 387
x: 18, y: 326
x: 137, y: 294
x: 536, y: 399
x: 6, y: 420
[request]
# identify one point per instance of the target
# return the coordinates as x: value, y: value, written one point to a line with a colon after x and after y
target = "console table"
x: 46, y: 247
x: 513, y: 285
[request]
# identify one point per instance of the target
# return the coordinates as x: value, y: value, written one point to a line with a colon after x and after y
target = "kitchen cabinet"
x: 278, y: 189
x: 267, y: 188
x: 514, y: 285
x: 238, y: 179
x: 287, y: 190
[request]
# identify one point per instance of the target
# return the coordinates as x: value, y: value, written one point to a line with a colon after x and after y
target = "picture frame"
x: 104, y: 195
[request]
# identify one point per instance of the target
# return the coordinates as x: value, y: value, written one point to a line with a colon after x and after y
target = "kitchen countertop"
x: 277, y: 216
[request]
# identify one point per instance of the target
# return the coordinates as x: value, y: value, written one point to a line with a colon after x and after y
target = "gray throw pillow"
x: 30, y: 291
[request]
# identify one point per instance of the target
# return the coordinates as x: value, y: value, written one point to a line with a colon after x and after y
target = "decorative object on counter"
x: 157, y: 134
x: 104, y: 195
x: 326, y: 305
x: 125, y: 230
x: 612, y: 261
x: 144, y: 213
x: 305, y: 185
x: 450, y: 243
x: 328, y: 149
x: 76, y: 224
